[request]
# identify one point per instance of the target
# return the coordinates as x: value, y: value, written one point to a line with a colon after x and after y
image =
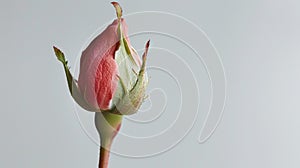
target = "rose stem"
x: 108, y: 126
x: 104, y: 157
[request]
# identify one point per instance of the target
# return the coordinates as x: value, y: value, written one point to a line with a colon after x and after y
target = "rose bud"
x: 112, y: 79
x: 111, y: 73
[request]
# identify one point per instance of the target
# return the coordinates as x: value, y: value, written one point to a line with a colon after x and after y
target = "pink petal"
x: 98, y: 69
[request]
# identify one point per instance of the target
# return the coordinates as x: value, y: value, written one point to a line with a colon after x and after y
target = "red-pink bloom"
x: 111, y: 74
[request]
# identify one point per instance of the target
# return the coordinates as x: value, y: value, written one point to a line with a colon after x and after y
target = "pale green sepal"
x: 133, y: 98
x: 72, y: 84
x: 126, y: 68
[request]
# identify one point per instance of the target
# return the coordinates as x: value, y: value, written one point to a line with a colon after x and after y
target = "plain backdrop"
x: 258, y: 41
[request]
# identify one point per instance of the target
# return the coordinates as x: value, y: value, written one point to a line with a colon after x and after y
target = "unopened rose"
x: 112, y: 76
x: 112, y: 80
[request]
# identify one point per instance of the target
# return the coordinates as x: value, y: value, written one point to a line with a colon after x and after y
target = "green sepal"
x: 72, y: 84
x: 133, y: 98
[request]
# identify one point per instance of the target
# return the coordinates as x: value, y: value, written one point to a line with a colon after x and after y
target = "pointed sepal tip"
x: 118, y: 8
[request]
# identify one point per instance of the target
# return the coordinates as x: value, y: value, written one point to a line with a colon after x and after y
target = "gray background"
x: 257, y: 40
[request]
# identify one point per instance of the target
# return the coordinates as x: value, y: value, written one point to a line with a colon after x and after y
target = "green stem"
x: 108, y: 126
